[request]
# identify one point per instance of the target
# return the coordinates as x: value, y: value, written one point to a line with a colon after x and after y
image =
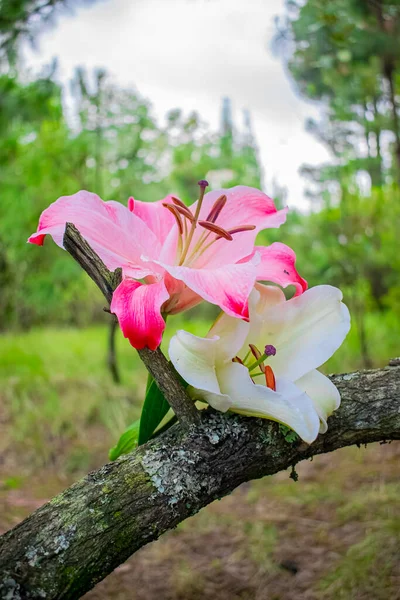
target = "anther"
x: 257, y: 355
x: 237, y: 360
x: 241, y: 228
x: 255, y: 351
x: 269, y: 350
x: 183, y: 210
x: 174, y: 210
x: 215, y: 229
x: 216, y: 209
x: 270, y: 378
x: 178, y: 202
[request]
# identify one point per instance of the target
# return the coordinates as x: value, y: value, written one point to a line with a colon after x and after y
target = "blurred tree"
x: 226, y: 158
x: 24, y: 20
x: 346, y: 53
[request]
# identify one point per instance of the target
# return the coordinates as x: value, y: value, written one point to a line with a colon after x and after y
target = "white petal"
x: 220, y: 402
x: 323, y: 393
x: 305, y: 330
x: 288, y: 405
x: 194, y: 359
x: 261, y: 299
x: 232, y: 333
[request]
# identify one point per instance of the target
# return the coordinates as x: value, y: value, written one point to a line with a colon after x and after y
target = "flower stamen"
x: 174, y: 210
x: 216, y: 208
x: 269, y: 350
x: 216, y: 229
x: 237, y: 360
x: 270, y: 378
x: 202, y: 184
x: 240, y: 228
x: 257, y: 355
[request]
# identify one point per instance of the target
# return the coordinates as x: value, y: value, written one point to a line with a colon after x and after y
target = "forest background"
x: 62, y: 407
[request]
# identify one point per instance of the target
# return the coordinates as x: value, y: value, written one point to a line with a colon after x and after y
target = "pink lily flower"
x: 173, y: 257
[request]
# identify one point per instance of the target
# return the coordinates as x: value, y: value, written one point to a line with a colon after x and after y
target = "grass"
x: 333, y: 535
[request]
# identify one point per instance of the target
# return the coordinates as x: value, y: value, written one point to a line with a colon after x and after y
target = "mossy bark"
x: 67, y: 546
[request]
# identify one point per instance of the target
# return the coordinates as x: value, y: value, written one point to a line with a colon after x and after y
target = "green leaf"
x: 154, y: 409
x: 127, y: 442
x: 289, y: 435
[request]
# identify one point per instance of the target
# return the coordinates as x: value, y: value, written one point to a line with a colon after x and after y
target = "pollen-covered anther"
x: 241, y: 228
x: 178, y: 202
x: 237, y: 360
x: 270, y: 378
x: 182, y: 208
x: 174, y: 210
x: 216, y: 209
x: 185, y: 212
x: 215, y: 229
x: 257, y: 355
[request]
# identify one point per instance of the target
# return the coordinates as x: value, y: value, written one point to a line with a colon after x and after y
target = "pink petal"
x: 228, y: 287
x: 244, y: 206
x: 119, y: 237
x: 181, y: 298
x: 278, y: 266
x: 155, y: 215
x: 138, y: 308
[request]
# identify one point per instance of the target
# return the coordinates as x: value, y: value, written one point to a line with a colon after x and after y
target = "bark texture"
x: 67, y: 546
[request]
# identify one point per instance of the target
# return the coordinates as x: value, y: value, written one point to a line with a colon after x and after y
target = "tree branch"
x: 155, y: 362
x: 67, y: 546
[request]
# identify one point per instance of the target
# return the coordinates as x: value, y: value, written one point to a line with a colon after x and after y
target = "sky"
x: 190, y: 54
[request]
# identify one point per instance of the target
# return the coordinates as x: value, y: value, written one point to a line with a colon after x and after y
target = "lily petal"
x: 228, y: 287
x: 137, y: 307
x: 305, y: 330
x: 232, y: 334
x: 194, y: 358
x: 323, y: 393
x: 155, y: 215
x: 119, y: 237
x: 288, y: 405
x: 244, y: 206
x: 278, y: 265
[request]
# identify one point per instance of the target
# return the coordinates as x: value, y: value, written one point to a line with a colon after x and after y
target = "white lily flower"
x: 267, y: 367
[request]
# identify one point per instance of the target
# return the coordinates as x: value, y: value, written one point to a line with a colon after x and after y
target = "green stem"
x: 258, y: 362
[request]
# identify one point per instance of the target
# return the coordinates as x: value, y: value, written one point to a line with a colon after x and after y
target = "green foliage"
x: 346, y: 55
x: 155, y: 407
x: 127, y: 442
x: 24, y: 19
x: 290, y: 436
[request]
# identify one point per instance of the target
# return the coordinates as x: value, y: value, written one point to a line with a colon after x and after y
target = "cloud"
x: 191, y: 53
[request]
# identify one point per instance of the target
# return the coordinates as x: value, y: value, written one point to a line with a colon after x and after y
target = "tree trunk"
x: 67, y: 546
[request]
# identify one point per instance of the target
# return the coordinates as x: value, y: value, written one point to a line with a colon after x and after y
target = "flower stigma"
x: 265, y: 370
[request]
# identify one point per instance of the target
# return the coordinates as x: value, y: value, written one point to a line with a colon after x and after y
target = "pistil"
x: 202, y: 184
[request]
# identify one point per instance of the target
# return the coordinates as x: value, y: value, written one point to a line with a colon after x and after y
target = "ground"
x: 335, y: 534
